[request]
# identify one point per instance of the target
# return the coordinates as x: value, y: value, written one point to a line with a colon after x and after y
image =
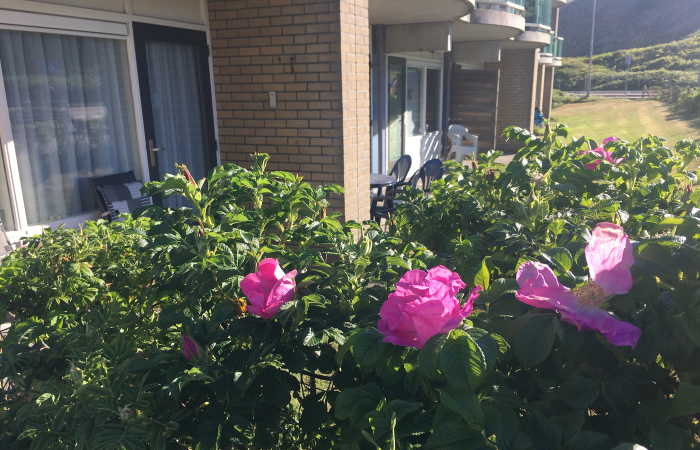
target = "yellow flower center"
x: 590, y: 295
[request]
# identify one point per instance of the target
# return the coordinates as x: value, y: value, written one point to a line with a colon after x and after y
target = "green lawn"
x: 626, y: 119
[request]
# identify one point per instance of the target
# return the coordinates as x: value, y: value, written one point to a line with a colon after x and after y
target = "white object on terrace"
x: 457, y: 134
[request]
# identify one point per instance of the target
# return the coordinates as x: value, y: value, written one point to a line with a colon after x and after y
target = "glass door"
x: 173, y: 68
x: 396, y: 109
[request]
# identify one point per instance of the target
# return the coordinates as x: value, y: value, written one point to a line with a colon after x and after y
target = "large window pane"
x: 396, y: 106
x: 72, y: 117
x: 432, y: 101
x: 414, y: 100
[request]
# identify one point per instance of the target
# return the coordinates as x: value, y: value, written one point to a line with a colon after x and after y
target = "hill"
x: 625, y: 24
x: 677, y: 62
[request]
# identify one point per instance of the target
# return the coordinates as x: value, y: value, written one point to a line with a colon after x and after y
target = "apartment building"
x: 331, y: 89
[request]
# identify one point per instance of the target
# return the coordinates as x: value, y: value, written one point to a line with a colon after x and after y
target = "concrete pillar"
x: 548, y: 91
x: 315, y: 56
x: 540, y: 85
x: 517, y: 88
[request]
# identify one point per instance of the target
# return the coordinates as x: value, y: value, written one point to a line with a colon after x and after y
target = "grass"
x: 626, y: 119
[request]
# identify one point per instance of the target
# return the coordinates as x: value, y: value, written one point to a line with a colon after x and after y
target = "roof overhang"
x: 487, y: 25
x: 395, y: 12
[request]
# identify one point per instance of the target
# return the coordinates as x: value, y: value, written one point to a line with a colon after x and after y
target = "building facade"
x: 331, y: 89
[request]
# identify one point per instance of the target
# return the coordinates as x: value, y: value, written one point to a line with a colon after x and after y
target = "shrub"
x: 139, y: 334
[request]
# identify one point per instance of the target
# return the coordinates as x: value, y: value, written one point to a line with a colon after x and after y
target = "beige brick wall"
x: 314, y: 55
x: 516, y: 93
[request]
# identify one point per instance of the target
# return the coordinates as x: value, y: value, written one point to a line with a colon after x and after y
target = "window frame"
x: 78, y: 21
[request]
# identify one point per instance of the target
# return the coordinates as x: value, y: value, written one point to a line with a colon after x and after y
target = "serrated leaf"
x: 367, y: 346
x: 686, y: 401
x: 579, y: 390
x: 462, y: 362
x: 655, y: 260
x: 534, y: 341
x: 465, y: 404
x: 454, y: 436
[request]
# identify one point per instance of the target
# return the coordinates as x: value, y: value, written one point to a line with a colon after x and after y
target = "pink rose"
x: 269, y: 288
x: 609, y: 257
x: 191, y: 349
x: 422, y: 306
x: 604, y: 154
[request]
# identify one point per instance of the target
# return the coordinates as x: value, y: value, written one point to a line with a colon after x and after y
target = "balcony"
x: 558, y: 49
x: 401, y: 12
x: 547, y: 53
x: 538, y: 21
x: 492, y: 20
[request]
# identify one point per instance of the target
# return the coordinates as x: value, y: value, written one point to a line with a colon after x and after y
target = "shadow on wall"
x: 430, y: 146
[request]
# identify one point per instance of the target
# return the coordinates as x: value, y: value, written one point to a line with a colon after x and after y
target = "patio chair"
x: 457, y: 134
x: 400, y: 170
x: 118, y: 194
x: 431, y: 171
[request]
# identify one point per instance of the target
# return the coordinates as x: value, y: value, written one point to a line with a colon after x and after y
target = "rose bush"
x: 550, y: 304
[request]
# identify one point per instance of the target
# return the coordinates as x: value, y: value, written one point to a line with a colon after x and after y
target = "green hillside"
x: 677, y: 62
x: 623, y: 24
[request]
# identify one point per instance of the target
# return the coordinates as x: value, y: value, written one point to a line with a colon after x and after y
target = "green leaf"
x: 579, y: 390
x: 629, y: 446
x: 686, y: 401
x: 482, y: 277
x: 367, y: 346
x: 359, y: 400
x: 454, y: 436
x: 428, y: 356
x: 666, y: 437
x: 466, y: 405
x: 666, y: 224
x: 498, y: 288
x: 534, y: 341
x: 462, y: 362
x: 655, y: 260
x: 314, y: 414
x: 587, y: 440
x: 561, y: 256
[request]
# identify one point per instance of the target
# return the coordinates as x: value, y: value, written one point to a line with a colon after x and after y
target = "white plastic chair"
x: 456, y: 134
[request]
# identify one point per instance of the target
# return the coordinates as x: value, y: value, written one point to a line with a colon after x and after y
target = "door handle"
x: 152, y: 152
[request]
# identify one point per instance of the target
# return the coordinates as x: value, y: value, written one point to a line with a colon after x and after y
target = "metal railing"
x: 559, y: 41
x: 538, y: 15
x: 551, y: 48
x: 512, y: 6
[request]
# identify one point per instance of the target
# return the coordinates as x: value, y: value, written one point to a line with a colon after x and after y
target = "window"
x: 71, y: 116
x: 414, y: 99
x: 432, y: 101
x: 396, y: 93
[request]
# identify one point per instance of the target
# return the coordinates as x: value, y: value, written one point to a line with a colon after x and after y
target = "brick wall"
x: 516, y: 93
x: 314, y: 55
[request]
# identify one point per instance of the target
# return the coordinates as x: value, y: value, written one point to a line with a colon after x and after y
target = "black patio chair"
x: 431, y: 171
x: 118, y: 193
x: 400, y: 170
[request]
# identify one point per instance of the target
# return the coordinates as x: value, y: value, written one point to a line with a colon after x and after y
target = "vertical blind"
x: 72, y: 117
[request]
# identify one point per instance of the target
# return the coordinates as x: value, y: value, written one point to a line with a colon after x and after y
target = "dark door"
x: 178, y: 118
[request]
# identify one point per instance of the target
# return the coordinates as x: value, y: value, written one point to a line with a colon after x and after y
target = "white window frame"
x: 424, y: 64
x: 26, y: 15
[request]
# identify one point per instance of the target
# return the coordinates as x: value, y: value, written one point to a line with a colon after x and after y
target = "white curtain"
x: 72, y: 117
x: 173, y: 75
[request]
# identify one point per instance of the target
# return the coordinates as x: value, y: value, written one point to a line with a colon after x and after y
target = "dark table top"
x: 377, y: 180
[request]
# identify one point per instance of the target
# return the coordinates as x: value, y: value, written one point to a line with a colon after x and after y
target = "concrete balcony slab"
x: 396, y: 12
x: 487, y: 25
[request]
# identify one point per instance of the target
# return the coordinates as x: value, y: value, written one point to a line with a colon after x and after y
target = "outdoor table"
x: 377, y: 180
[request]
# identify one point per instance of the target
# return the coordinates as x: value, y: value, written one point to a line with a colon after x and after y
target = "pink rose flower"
x: 191, y: 349
x: 600, y: 151
x: 422, y: 306
x: 269, y: 288
x: 609, y: 257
